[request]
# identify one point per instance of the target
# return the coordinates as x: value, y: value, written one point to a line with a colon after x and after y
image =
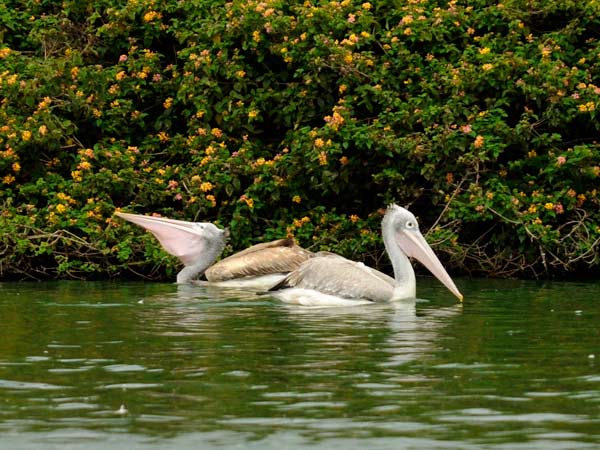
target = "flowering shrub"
x: 304, y: 119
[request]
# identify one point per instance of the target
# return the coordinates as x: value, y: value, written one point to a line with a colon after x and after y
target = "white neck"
x: 406, y: 284
x: 204, y: 261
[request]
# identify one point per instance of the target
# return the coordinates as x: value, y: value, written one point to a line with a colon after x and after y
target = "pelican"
x: 328, y: 279
x: 199, y: 244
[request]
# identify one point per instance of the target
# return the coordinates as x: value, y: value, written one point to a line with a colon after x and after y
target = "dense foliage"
x: 300, y: 118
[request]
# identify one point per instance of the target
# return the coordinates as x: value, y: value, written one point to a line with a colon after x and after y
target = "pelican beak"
x: 415, y: 246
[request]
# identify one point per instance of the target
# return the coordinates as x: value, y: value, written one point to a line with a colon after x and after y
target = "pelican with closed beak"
x: 199, y: 244
x: 329, y: 279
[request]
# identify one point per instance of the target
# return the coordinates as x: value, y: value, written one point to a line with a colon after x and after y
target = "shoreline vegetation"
x: 300, y: 119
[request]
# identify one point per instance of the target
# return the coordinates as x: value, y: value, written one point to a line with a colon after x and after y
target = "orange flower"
x: 479, y: 141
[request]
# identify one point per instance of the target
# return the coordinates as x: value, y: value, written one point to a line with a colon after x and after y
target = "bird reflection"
x: 410, y: 327
x: 403, y: 331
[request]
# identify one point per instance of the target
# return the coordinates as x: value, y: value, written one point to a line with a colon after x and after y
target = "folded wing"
x: 281, y: 256
x: 335, y: 275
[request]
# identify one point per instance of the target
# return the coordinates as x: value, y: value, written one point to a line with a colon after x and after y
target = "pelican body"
x: 329, y: 279
x: 199, y: 244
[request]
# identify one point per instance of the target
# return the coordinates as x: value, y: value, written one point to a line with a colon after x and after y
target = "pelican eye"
x: 410, y: 225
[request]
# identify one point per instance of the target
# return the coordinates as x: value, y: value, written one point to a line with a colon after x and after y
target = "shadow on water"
x: 160, y: 365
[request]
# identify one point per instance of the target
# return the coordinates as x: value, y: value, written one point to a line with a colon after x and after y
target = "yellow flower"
x: 549, y: 205
x: 487, y: 67
x: 296, y: 199
x: 163, y: 137
x: 60, y: 208
x: 168, y: 103
x: 354, y: 218
x: 151, y: 16
x: 342, y: 88
x: 84, y: 165
x: 74, y: 72
x: 344, y: 160
x: 348, y: 58
x: 319, y: 142
x: 211, y: 198
x: 252, y: 114
x: 26, y: 135
x: 8, y: 179
x: 256, y: 35
x: 44, y: 103
x: 206, y: 186
x: 216, y: 132
x: 241, y: 73
x: 322, y: 158
x: 532, y: 209
x: 366, y: 6
x: 16, y: 167
x: 484, y: 50
x: 76, y: 175
x: 4, y: 52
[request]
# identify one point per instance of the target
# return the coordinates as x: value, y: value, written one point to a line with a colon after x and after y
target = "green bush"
x: 300, y: 118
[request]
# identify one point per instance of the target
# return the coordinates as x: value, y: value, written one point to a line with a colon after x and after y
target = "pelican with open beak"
x: 199, y: 244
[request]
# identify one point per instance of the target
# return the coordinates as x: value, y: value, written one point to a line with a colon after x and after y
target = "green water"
x: 133, y: 365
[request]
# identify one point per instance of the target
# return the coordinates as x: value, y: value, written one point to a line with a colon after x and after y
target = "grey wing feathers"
x: 280, y: 256
x: 334, y: 275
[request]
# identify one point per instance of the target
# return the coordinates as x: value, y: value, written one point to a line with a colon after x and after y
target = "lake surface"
x: 157, y: 366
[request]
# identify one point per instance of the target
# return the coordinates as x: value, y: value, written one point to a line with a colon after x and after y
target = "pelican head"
x: 196, y: 244
x: 402, y: 226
